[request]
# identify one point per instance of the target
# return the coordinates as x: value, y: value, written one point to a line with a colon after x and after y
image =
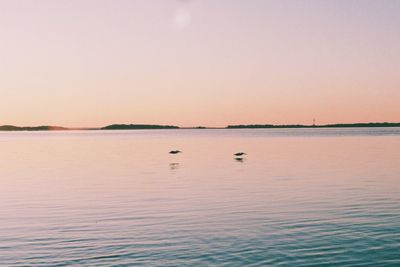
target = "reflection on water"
x: 239, y: 159
x: 307, y: 197
x: 174, y: 166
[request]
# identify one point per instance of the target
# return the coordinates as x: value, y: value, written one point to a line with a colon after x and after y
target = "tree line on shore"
x: 155, y: 126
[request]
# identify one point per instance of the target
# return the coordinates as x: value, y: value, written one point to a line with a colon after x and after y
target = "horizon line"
x: 141, y: 126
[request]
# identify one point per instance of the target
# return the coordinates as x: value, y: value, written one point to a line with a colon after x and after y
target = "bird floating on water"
x: 239, y: 154
x: 175, y: 152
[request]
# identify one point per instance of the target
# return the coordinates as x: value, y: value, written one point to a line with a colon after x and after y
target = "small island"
x: 137, y: 127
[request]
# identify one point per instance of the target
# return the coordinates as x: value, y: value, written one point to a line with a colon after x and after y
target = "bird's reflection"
x: 174, y: 166
x: 239, y: 159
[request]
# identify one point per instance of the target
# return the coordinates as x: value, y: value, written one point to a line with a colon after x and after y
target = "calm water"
x: 302, y: 197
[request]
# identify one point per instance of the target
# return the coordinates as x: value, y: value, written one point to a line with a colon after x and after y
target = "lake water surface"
x: 301, y: 197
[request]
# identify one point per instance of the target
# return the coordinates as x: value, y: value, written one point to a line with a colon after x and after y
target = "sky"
x: 91, y: 63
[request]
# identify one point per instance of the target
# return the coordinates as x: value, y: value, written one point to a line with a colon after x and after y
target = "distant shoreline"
x: 342, y: 125
x: 137, y: 127
x: 166, y: 127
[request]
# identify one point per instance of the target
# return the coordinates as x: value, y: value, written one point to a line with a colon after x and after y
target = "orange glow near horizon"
x: 190, y: 63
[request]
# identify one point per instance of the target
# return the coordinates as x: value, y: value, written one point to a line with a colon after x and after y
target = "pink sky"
x: 188, y: 63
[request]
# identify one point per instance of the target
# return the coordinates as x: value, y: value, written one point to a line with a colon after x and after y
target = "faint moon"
x: 181, y: 19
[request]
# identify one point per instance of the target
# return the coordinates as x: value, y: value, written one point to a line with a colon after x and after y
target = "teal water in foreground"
x: 302, y: 197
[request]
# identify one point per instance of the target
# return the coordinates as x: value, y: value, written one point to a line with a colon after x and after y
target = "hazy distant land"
x: 155, y: 126
x: 137, y: 127
x: 28, y: 128
x: 344, y: 125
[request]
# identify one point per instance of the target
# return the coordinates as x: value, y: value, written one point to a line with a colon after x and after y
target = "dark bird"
x: 239, y: 154
x: 175, y: 152
x: 239, y: 159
